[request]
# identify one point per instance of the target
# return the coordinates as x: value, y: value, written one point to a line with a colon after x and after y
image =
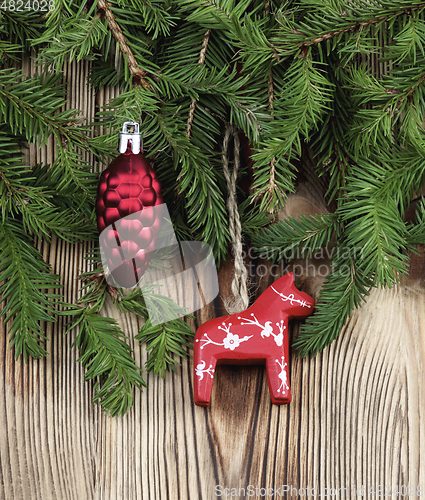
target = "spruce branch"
x: 211, y: 14
x: 298, y: 111
x: 272, y: 187
x: 288, y: 76
x: 404, y: 176
x: 201, y: 61
x: 10, y: 50
x: 33, y: 196
x: 25, y: 279
x: 381, y: 238
x: 21, y: 26
x: 408, y: 43
x: 32, y: 108
x: 21, y: 101
x: 389, y: 111
x: 196, y: 180
x: 416, y: 231
x: 107, y: 359
x: 164, y: 342
x: 78, y: 41
x: 357, y: 16
x: 300, y: 30
x: 138, y: 73
x: 344, y: 290
x: 104, y: 353
x: 101, y: 343
x: 252, y: 219
x: 350, y: 28
x: 294, y: 236
x: 330, y: 142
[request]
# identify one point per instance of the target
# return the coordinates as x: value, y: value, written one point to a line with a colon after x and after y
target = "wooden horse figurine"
x: 257, y: 335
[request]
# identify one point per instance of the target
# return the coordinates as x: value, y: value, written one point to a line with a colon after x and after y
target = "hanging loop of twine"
x: 240, y: 299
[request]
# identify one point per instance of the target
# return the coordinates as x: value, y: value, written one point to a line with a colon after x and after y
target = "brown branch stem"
x: 201, y: 61
x: 137, y: 72
x: 354, y: 27
x: 412, y: 90
x: 272, y: 175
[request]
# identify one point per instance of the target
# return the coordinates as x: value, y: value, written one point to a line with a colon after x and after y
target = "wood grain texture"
x: 356, y: 417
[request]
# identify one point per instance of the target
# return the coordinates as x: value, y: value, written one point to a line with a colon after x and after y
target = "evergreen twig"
x: 137, y: 72
x: 103, y: 351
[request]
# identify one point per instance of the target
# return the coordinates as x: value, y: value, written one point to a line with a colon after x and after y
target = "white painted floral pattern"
x: 231, y: 341
x: 291, y: 299
x: 266, y: 329
x: 282, y: 375
x: 279, y: 337
x: 200, y: 370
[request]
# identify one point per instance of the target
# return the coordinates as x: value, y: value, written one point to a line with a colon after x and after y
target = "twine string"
x: 240, y: 300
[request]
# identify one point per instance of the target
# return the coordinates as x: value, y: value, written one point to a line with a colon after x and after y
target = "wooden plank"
x: 355, y: 419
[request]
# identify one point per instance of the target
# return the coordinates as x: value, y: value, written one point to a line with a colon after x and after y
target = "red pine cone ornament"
x: 129, y: 185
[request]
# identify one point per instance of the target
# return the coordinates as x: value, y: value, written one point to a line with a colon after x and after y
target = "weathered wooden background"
x: 356, y: 419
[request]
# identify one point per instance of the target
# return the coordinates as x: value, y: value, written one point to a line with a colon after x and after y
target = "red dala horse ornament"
x: 257, y: 335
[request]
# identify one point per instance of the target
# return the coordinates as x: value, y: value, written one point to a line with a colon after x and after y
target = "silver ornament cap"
x: 134, y: 137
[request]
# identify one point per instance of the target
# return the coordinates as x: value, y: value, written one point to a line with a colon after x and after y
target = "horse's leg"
x: 204, y: 376
x: 278, y: 379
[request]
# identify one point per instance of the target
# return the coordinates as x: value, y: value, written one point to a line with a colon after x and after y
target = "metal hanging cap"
x: 135, y: 138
